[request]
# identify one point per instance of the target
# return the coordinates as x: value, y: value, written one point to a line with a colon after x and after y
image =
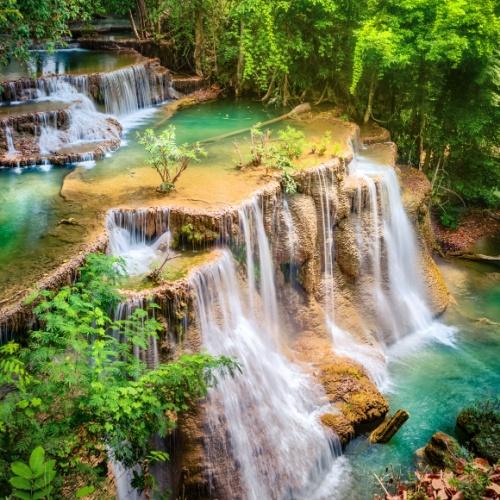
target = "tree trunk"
x: 241, y: 60
x: 198, y: 44
x: 132, y: 23
x: 141, y: 10
x: 286, y: 94
x: 369, y: 106
x: 270, y: 88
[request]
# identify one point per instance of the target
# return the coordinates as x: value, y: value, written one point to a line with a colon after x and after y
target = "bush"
x: 166, y: 157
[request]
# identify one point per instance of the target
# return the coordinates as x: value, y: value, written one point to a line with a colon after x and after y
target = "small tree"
x: 166, y: 157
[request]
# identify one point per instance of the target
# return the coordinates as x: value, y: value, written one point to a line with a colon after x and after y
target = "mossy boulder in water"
x: 478, y: 428
x: 360, y: 406
x: 443, y: 451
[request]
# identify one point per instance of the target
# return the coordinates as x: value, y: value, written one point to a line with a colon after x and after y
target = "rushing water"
x: 389, y: 243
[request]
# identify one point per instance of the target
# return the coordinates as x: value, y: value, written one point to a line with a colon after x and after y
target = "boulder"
x: 443, y: 451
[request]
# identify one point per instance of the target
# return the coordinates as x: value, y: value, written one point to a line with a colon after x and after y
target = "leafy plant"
x: 292, y: 142
x: 32, y: 481
x: 322, y: 146
x: 168, y: 158
x: 259, y: 145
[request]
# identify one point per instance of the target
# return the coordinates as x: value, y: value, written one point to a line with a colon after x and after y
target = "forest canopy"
x: 428, y: 70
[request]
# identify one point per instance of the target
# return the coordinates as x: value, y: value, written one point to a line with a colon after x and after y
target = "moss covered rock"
x: 478, y: 428
x: 443, y: 451
x: 361, y: 406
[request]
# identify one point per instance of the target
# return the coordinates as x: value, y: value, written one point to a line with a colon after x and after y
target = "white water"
x: 127, y: 239
x: 149, y: 355
x: 11, y: 149
x: 404, y: 317
x: 86, y: 123
x: 272, y: 409
x: 126, y: 90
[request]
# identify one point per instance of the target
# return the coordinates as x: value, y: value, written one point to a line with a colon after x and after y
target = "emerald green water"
x: 436, y: 381
x: 67, y: 61
x: 33, y: 242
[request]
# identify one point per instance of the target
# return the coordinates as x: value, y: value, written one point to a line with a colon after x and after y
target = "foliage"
x: 166, y: 157
x: 32, y: 481
x: 23, y: 22
x: 281, y: 156
x: 77, y: 387
x: 322, y: 146
x: 259, y: 149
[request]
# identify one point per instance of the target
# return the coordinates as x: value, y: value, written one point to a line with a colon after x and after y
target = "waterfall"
x: 86, y: 124
x: 150, y: 355
x: 127, y: 231
x: 391, y: 253
x: 255, y: 238
x: 272, y: 409
x: 292, y: 240
x: 127, y: 90
x: 326, y: 186
x: 404, y: 295
x: 11, y: 149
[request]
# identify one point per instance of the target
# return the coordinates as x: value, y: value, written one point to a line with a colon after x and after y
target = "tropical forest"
x: 250, y: 249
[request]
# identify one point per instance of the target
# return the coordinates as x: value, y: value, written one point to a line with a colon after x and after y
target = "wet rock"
x: 361, y: 405
x: 389, y: 427
x: 443, y: 451
x: 348, y: 254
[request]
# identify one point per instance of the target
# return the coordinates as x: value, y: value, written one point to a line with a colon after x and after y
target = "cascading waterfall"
x: 149, y: 355
x: 272, y: 410
x: 126, y: 90
x: 403, y: 315
x: 128, y: 239
x: 86, y: 124
x: 11, y: 149
x: 404, y: 291
x: 326, y: 189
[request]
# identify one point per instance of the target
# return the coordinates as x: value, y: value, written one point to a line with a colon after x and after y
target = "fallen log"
x: 478, y: 257
x: 386, y: 430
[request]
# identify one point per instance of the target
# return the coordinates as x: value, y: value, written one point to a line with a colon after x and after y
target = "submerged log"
x: 386, y: 430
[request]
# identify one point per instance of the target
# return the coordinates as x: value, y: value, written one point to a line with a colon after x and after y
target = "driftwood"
x: 386, y: 430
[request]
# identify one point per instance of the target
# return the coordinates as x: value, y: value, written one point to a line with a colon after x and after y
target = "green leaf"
x: 22, y: 495
x: 45, y: 480
x: 42, y: 494
x: 22, y: 470
x: 20, y: 482
x: 37, y: 459
x: 86, y: 490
